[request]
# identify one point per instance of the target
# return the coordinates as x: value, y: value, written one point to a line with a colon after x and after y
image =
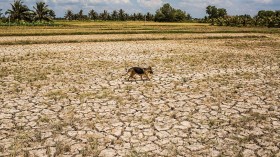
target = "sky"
x: 196, y: 8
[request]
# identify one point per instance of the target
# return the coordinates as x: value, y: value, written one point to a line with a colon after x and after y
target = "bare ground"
x: 217, y: 97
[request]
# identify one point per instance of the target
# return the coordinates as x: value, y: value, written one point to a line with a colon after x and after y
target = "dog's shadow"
x: 137, y: 80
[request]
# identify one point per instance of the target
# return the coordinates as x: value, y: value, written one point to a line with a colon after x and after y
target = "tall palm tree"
x: 122, y: 15
x: 19, y: 11
x: 52, y: 13
x: 92, y: 14
x: 81, y: 15
x: 105, y: 15
x: 115, y: 15
x: 69, y: 15
x: 42, y: 12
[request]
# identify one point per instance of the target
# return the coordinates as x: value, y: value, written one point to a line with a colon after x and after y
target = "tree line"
x: 116, y: 15
x: 219, y: 16
x: 165, y: 14
x: 20, y: 13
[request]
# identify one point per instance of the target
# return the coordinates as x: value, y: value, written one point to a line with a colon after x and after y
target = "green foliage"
x: 92, y: 15
x: 104, y: 16
x: 218, y: 16
x: 122, y: 16
x: 69, y: 15
x: 268, y: 18
x: 19, y: 12
x: 168, y: 14
x: 215, y: 14
x: 42, y: 12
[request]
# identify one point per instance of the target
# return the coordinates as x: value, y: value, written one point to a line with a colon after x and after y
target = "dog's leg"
x: 131, y: 75
x: 147, y: 76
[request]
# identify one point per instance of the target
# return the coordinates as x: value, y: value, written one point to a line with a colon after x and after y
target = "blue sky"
x: 194, y: 7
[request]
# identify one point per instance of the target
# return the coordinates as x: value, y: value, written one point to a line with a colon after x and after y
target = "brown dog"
x: 139, y: 71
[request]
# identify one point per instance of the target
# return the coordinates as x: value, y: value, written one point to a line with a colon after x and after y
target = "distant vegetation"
x: 219, y: 16
x: 168, y: 14
x: 20, y: 14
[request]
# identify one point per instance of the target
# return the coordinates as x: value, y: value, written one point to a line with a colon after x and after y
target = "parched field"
x: 214, y: 92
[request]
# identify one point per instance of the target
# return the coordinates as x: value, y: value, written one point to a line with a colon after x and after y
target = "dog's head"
x: 150, y: 70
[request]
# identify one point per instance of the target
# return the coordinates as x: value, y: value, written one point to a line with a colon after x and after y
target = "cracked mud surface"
x: 206, y: 98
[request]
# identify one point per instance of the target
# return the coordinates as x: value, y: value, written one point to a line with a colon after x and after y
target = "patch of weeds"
x: 58, y: 126
x: 44, y: 119
x: 247, y: 75
x: 26, y: 153
x: 128, y: 87
x: 48, y: 151
x: 211, y: 123
x: 131, y: 98
x: 85, y: 95
x: 70, y: 118
x: 149, y: 85
x: 61, y: 148
x: 19, y: 127
x: 252, y: 116
x: 104, y: 93
x: 2, y: 148
x: 257, y: 116
x: 31, y: 76
x: 21, y: 140
x: 57, y: 95
x: 91, y: 149
x: 15, y: 89
x: 118, y: 99
x: 38, y: 136
x: 185, y: 80
x: 4, y: 72
x: 134, y: 153
x: 238, y: 45
x: 246, y: 139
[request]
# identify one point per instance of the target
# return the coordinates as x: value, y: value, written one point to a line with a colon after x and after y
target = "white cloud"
x: 150, y: 3
x: 109, y: 1
x: 263, y: 1
x: 204, y: 3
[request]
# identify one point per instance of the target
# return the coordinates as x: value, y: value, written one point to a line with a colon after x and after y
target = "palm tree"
x: 92, y: 14
x: 105, y: 15
x: 149, y: 16
x: 42, y: 12
x: 81, y: 15
x: 52, y: 13
x: 122, y: 15
x: 19, y: 11
x: 69, y: 15
x: 115, y: 15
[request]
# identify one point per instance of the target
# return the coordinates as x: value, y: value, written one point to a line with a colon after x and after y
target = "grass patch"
x: 130, y: 27
x: 61, y: 148
x: 91, y: 149
x: 57, y: 95
x: 28, y: 42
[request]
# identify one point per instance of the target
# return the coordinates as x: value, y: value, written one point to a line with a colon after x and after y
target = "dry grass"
x: 215, y: 91
x: 83, y: 28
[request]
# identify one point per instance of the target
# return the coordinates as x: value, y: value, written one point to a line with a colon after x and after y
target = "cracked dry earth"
x: 206, y: 98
